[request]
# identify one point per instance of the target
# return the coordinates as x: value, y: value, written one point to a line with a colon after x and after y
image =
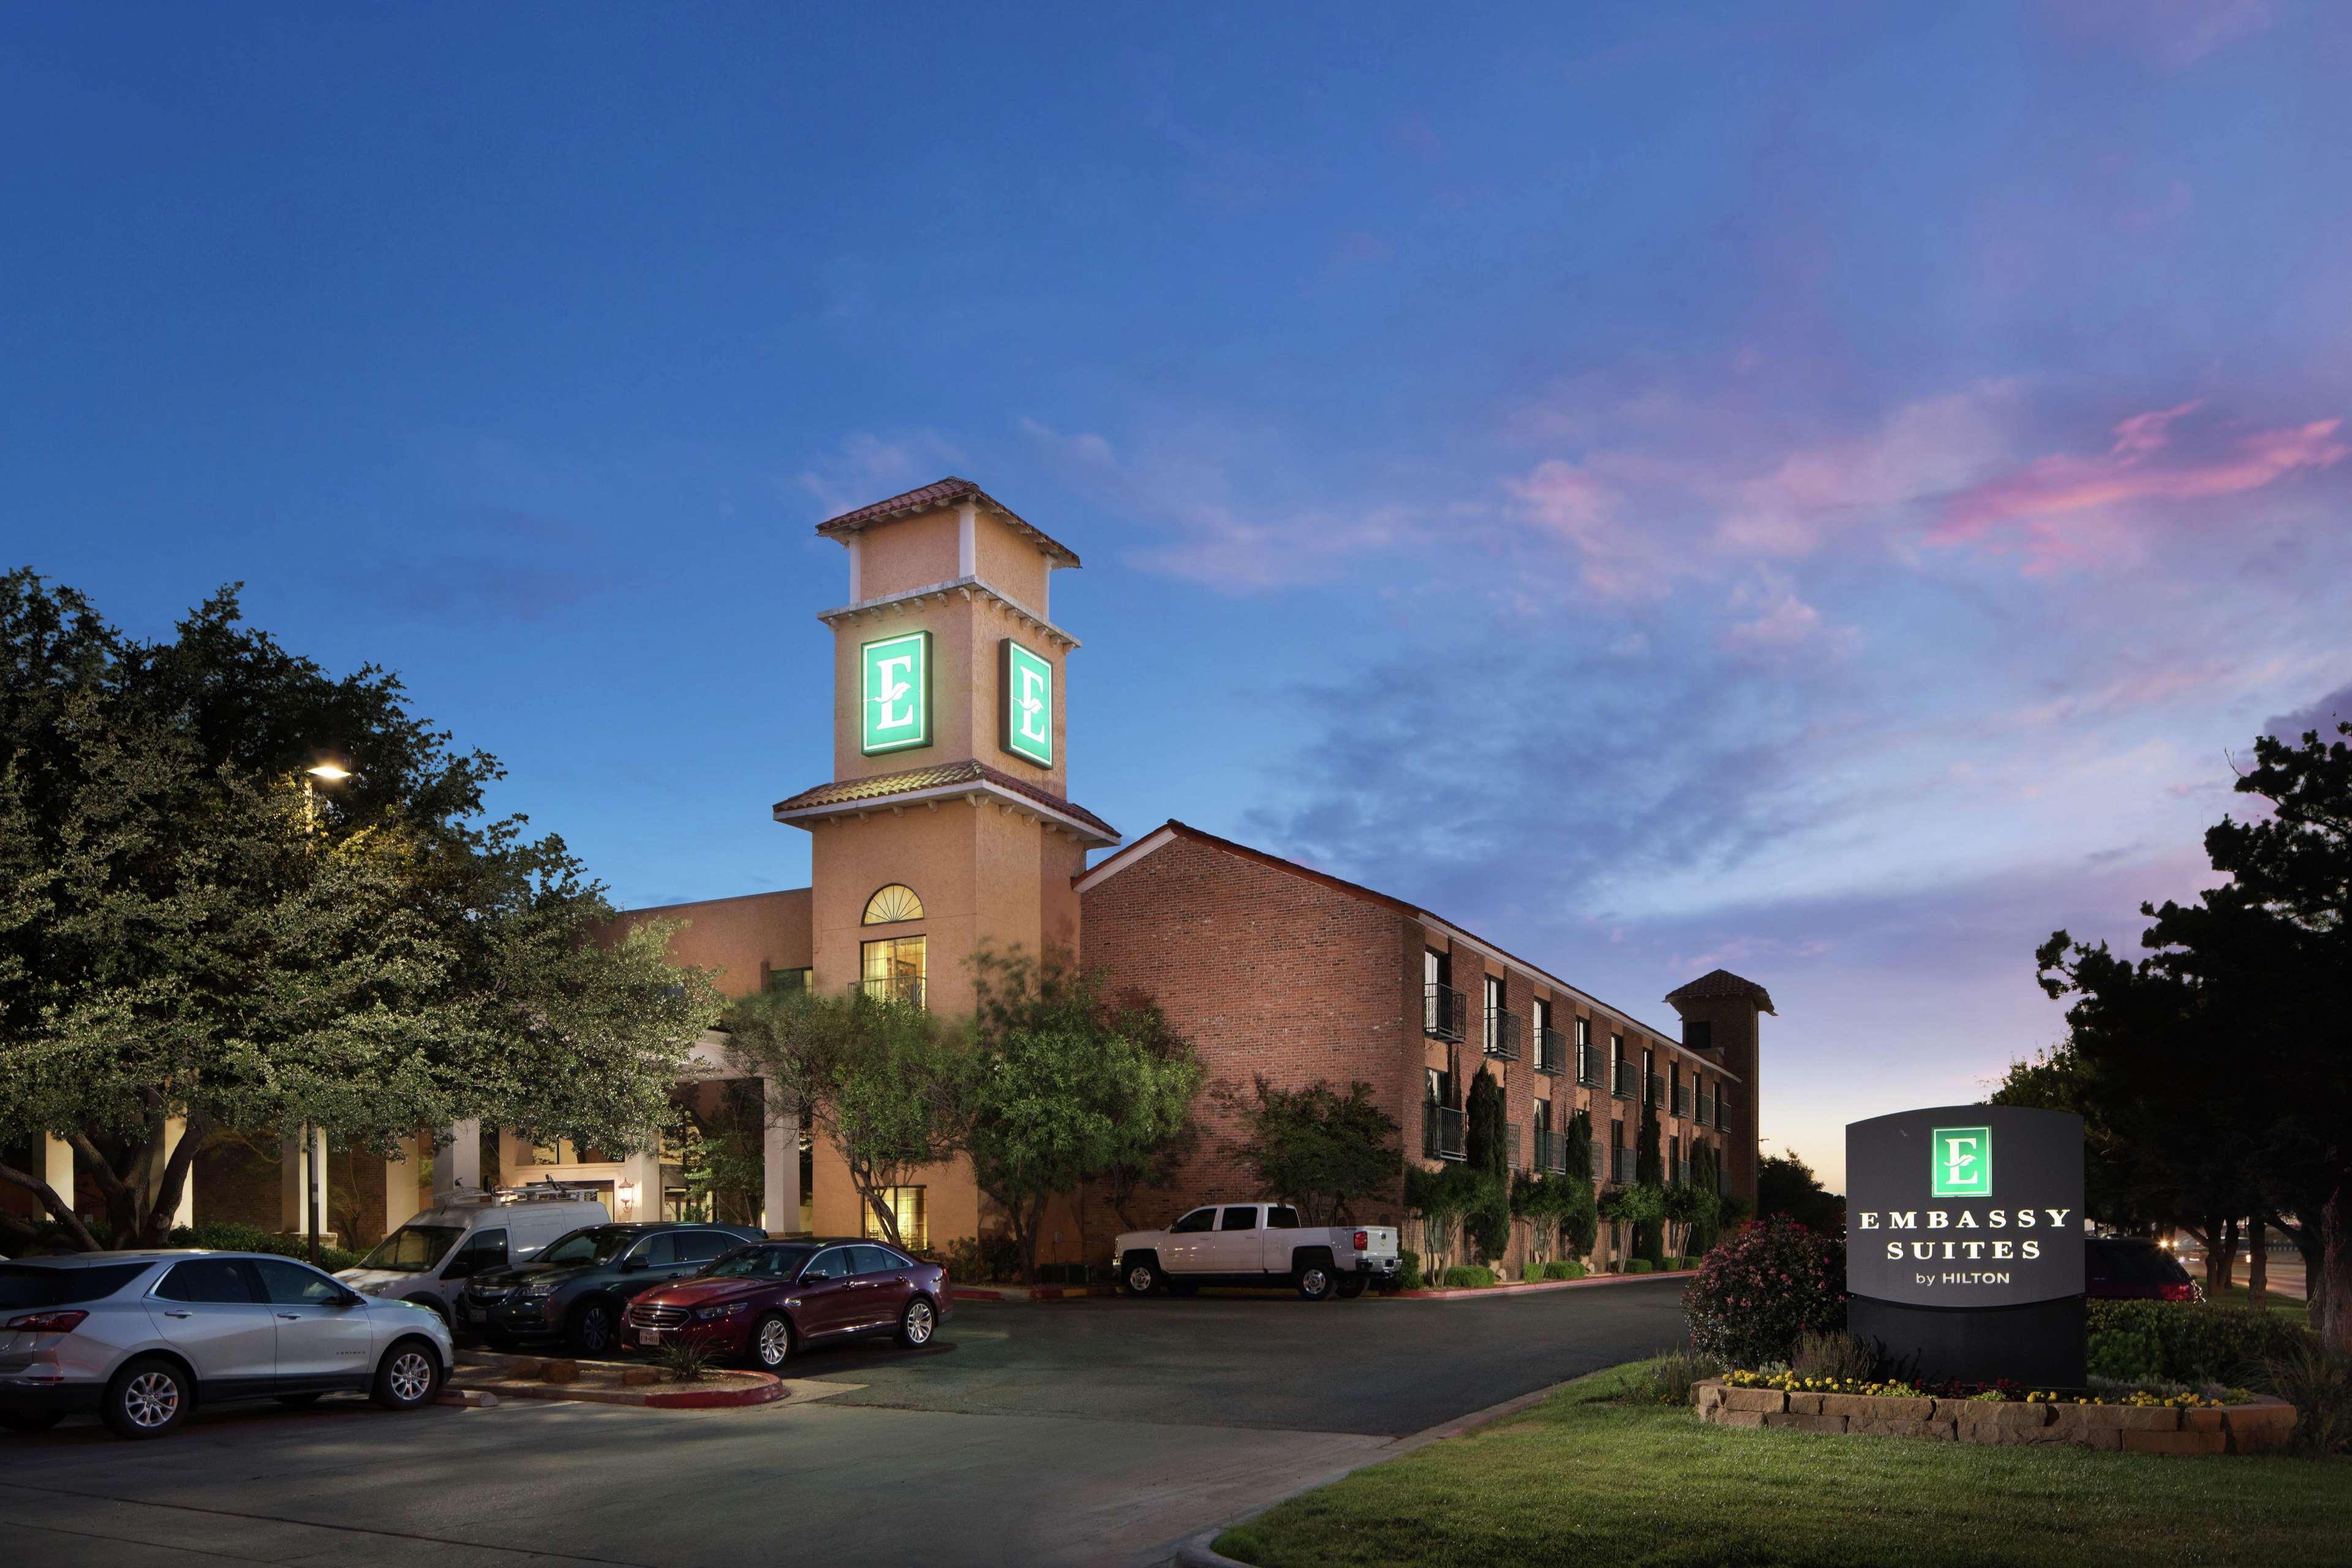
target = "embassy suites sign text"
x: 1981, y: 1245
x: 1971, y: 1205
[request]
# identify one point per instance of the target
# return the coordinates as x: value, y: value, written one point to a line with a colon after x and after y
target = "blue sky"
x: 1818, y: 490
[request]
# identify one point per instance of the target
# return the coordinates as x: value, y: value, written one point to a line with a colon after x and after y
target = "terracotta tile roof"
x: 932, y: 498
x: 1722, y: 983
x: 883, y: 786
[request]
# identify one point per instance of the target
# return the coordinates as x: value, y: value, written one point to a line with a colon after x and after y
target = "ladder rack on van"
x: 534, y: 1192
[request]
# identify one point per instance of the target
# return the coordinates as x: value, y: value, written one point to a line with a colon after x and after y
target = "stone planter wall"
x: 2258, y: 1428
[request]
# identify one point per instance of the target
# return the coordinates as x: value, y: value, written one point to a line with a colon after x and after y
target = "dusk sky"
x: 1824, y: 490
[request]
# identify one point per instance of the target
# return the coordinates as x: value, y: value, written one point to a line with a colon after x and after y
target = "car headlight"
x: 724, y: 1310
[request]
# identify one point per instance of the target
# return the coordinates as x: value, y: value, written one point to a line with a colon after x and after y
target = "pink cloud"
x: 1575, y: 505
x: 2133, y: 468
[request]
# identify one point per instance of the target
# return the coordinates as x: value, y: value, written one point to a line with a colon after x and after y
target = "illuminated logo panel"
x: 897, y: 693
x: 1027, y: 682
x: 1961, y: 1163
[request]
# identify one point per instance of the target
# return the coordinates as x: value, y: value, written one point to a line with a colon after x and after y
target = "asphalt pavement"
x: 1075, y: 1432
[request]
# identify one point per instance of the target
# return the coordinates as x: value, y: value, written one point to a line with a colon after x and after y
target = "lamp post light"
x: 327, y: 769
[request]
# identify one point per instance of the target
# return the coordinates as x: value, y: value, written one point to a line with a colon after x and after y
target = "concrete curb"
x: 1520, y: 1288
x: 512, y: 1377
x: 1027, y: 1292
x: 1194, y: 1551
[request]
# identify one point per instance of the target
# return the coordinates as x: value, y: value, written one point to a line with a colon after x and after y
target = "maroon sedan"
x: 773, y: 1299
x: 2126, y: 1269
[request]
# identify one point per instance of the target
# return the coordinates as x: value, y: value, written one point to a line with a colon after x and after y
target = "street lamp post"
x: 327, y: 770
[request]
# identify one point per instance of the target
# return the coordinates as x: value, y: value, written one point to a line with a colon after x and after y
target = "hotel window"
x: 779, y: 980
x: 891, y: 904
x: 906, y: 1207
x: 1494, y: 1014
x: 893, y: 968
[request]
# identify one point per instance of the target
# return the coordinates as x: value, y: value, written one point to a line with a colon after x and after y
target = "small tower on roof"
x: 1722, y: 1014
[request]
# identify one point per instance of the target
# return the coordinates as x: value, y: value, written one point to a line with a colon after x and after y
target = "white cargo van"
x: 429, y: 1260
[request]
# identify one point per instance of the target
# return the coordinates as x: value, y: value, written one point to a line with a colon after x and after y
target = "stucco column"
x: 292, y: 1213
x: 459, y: 1163
x: 780, y: 1187
x: 175, y: 1129
x: 400, y: 1174
x: 643, y: 1172
x: 58, y: 1167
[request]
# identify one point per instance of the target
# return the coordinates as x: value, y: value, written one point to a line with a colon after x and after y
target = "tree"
x: 1060, y: 1088
x: 1786, y: 1186
x: 2263, y: 962
x: 1489, y: 1155
x: 1442, y: 1198
x: 1704, y: 1203
x: 1317, y: 1147
x: 1650, y: 1171
x: 1145, y: 1165
x: 876, y: 1075
x: 187, y: 936
x: 1579, y: 1221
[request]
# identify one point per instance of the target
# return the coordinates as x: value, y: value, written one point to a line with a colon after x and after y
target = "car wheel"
x: 1139, y: 1279
x: 1315, y: 1281
x: 408, y: 1376
x: 918, y: 1323
x: 148, y: 1398
x: 29, y: 1420
x: 591, y: 1328
x: 772, y: 1343
x: 1351, y: 1286
x: 297, y: 1400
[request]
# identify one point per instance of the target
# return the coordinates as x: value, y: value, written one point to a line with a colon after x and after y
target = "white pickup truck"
x: 1255, y: 1244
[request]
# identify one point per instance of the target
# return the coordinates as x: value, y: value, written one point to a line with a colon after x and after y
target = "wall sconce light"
x: 627, y: 1194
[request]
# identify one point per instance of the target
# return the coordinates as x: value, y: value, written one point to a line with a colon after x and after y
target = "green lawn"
x: 2287, y: 1306
x: 1579, y: 1478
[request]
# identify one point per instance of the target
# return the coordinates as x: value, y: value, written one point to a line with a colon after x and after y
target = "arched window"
x: 893, y: 903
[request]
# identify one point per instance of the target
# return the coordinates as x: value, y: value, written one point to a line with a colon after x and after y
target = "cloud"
x: 868, y: 467
x: 2169, y: 35
x: 2136, y: 467
x: 1924, y: 449
x: 2324, y: 715
x: 1574, y: 505
x: 522, y: 567
x: 1177, y: 487
x: 1778, y: 622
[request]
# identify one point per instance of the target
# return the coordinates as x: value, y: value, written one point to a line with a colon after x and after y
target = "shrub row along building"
x: 947, y: 823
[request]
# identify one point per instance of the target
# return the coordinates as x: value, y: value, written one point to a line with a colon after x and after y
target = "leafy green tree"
x: 1786, y: 1186
x: 1489, y: 1155
x: 1317, y: 1147
x: 186, y: 934
x: 2239, y: 1007
x: 1061, y: 1086
x: 1442, y: 1198
x: 1579, y: 1215
x: 1702, y: 1206
x: 1650, y: 1171
x: 877, y: 1077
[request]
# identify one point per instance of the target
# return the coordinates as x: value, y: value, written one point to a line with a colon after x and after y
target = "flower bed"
x: 2137, y: 1423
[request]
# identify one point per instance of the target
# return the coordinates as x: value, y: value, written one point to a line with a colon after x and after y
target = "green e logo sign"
x: 1962, y: 1163
x: 1027, y: 682
x: 897, y: 692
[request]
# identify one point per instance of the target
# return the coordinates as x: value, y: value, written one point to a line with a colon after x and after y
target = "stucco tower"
x: 948, y: 822
x: 1723, y: 1015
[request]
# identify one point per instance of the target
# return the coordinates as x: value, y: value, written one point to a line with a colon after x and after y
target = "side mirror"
x: 631, y: 1264
x: 350, y: 1298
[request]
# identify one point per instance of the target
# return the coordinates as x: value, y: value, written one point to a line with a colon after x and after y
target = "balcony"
x: 1551, y: 1150
x: 1511, y: 1146
x: 1442, y: 1013
x: 1600, y: 1164
x: 1683, y: 1102
x: 1620, y: 1080
x: 1502, y: 1035
x: 1681, y: 1175
x: 1620, y: 1166
x: 1551, y: 1051
x: 1706, y: 1109
x: 1723, y: 1112
x: 1442, y: 1133
x: 1655, y: 1094
x: 905, y: 988
x: 1588, y: 1067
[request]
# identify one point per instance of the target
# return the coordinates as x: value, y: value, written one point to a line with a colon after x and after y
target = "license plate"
x: 649, y: 1336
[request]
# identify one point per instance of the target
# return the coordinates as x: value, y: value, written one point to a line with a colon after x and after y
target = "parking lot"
x: 1098, y: 1431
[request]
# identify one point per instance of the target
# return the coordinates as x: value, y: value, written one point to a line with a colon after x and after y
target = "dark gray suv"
x: 574, y: 1288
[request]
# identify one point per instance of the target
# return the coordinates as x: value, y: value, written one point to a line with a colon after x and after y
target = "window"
x: 893, y: 968
x: 1193, y: 1224
x: 1543, y: 1014
x: 832, y: 1263
x: 207, y: 1280
x: 761, y: 1263
x: 906, y: 1207
x: 485, y: 1249
x: 598, y: 1244
x: 876, y: 1260
x: 1281, y: 1216
x: 1241, y: 1216
x: 892, y: 904
x: 293, y: 1284
x: 702, y: 1246
x: 1543, y: 1120
x: 656, y: 1251
x: 1698, y: 1037
x: 413, y: 1249
x: 24, y: 1287
x: 777, y: 980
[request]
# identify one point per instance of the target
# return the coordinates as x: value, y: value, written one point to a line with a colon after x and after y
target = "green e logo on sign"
x: 1027, y: 682
x: 897, y: 692
x: 1961, y: 1167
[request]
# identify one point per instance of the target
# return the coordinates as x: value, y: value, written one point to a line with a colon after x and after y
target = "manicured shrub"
x: 2126, y: 1355
x: 1409, y: 1271
x: 1531, y: 1273
x: 1836, y: 1355
x: 991, y: 1257
x: 1764, y: 1285
x: 229, y: 1236
x: 1639, y: 1266
x: 1468, y: 1275
x: 1563, y: 1269
x: 2193, y: 1342
x: 1670, y: 1377
x: 2318, y: 1383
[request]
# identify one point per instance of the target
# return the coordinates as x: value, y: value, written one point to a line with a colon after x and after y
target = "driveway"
x: 1082, y: 1432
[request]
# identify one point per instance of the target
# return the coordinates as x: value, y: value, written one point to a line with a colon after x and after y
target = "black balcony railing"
x: 1655, y: 1094
x: 1551, y: 1051
x: 1600, y: 1164
x: 1706, y: 1109
x: 1588, y: 1066
x: 1441, y: 1132
x: 1440, y: 1012
x: 1621, y: 1165
x: 1683, y: 1101
x: 1620, y: 1080
x: 1551, y: 1150
x: 1723, y: 1112
x: 1502, y: 1035
x: 906, y: 988
x: 1682, y: 1172
x: 1511, y: 1145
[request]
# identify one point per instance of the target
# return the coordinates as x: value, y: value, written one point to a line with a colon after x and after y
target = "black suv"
x: 574, y: 1288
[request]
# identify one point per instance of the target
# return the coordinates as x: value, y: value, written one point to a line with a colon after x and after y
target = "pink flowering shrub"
x: 1762, y: 1286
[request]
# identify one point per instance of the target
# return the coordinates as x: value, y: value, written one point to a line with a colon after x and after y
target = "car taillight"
x: 2182, y: 1292
x: 1362, y: 1241
x: 47, y: 1322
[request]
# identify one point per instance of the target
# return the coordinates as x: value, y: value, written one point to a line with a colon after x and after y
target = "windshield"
x: 760, y: 1263
x: 597, y: 1244
x: 413, y: 1249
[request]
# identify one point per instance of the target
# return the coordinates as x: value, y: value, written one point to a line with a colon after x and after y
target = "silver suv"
x: 141, y: 1337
